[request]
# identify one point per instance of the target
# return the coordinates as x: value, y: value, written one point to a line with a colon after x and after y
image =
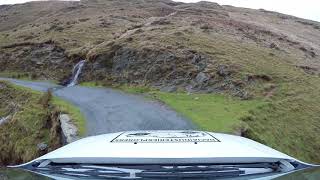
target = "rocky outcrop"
x: 69, y: 130
x: 159, y: 68
x: 42, y: 146
x: 39, y: 60
x: 164, y: 69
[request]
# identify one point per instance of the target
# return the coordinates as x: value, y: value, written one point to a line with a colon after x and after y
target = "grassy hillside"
x: 32, y: 119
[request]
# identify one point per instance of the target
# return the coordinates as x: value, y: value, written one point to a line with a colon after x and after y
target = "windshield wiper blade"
x: 99, y: 171
x: 191, y: 174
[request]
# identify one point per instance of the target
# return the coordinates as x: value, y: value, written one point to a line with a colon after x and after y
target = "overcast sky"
x: 308, y: 9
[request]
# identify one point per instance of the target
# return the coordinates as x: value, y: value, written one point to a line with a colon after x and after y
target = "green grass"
x: 211, y: 112
x: 35, y: 122
x: 64, y: 107
x: 28, y: 127
x: 290, y: 122
x: 91, y: 84
x: 74, y: 112
x: 22, y: 76
x: 16, y: 75
x: 135, y: 89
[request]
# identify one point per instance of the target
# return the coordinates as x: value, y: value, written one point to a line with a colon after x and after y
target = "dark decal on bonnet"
x: 165, y: 137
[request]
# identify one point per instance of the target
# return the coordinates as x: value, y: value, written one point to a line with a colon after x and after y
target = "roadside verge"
x: 31, y: 123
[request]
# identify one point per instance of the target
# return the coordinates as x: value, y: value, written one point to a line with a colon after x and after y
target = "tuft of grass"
x: 15, y: 75
x: 135, y: 89
x: 91, y: 84
x: 74, y: 112
x: 124, y: 87
x: 23, y: 76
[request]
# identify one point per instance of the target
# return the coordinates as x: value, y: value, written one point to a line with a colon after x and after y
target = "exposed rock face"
x: 202, y: 78
x: 223, y: 71
x: 153, y: 67
x: 41, y: 60
x: 159, y: 68
x: 69, y: 130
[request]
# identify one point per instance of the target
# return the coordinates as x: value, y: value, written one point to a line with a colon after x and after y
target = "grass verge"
x: 16, y: 75
x: 31, y: 121
x: 63, y: 107
x: 33, y: 113
x: 23, y: 76
x: 211, y: 112
x: 74, y: 112
x: 92, y: 84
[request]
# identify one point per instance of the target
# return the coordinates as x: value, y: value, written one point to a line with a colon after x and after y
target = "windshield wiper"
x: 192, y: 172
x: 101, y: 171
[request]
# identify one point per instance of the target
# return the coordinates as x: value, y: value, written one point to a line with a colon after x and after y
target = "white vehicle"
x: 164, y: 154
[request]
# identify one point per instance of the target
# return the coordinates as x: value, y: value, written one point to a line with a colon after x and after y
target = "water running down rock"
x: 76, y: 73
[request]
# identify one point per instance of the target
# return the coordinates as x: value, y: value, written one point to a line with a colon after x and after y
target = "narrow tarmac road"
x: 107, y: 110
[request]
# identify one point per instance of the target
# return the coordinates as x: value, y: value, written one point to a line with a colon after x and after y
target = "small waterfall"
x: 75, y: 73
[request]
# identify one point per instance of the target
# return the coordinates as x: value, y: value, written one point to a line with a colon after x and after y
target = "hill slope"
x: 29, y: 125
x: 201, y: 47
